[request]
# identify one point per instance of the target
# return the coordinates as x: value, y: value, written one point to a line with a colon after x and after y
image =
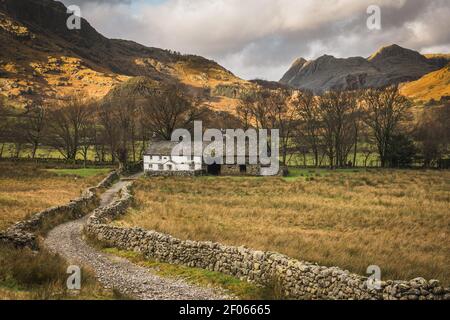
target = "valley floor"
x: 396, y: 219
x: 26, y: 189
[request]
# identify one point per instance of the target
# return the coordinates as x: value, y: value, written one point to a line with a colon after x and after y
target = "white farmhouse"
x: 158, y: 159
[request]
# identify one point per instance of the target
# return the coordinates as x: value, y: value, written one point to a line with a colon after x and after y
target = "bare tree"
x: 87, y: 134
x: 270, y: 109
x: 338, y: 110
x: 309, y: 124
x: 100, y: 142
x: 3, y: 125
x: 65, y: 125
x: 433, y: 134
x: 118, y: 118
x: 11, y: 130
x: 244, y: 111
x: 367, y: 146
x: 385, y: 109
x: 33, y: 123
x: 283, y: 114
x: 167, y: 109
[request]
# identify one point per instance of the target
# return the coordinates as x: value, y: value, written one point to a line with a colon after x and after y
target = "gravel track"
x: 118, y: 273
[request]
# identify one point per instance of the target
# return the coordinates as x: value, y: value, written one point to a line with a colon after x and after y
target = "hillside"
x: 43, y: 60
x: 433, y: 86
x: 389, y: 65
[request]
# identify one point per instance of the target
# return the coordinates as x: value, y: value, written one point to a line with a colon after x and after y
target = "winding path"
x: 118, y: 273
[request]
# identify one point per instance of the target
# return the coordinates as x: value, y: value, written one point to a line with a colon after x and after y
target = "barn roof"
x: 164, y: 148
x: 161, y: 148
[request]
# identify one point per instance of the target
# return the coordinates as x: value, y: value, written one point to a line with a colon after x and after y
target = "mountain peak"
x: 325, y: 56
x: 299, y: 62
x: 392, y: 51
x: 293, y: 70
x: 389, y: 65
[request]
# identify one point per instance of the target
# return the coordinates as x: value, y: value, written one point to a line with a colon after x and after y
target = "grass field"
x: 398, y: 220
x: 26, y: 188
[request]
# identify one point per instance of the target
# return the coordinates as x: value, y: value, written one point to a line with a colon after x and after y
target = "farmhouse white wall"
x: 169, y: 163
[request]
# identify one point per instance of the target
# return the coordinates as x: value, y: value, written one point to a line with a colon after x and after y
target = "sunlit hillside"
x: 434, y: 85
x: 43, y: 63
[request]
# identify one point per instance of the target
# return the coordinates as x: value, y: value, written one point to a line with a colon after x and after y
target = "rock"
x: 433, y: 283
x: 438, y: 290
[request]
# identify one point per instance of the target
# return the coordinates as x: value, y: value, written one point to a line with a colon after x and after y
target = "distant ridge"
x: 389, y: 65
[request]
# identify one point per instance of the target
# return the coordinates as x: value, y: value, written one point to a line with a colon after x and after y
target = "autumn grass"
x: 82, y: 172
x: 398, y: 220
x: 27, y: 275
x: 27, y: 188
x: 24, y: 190
x: 433, y: 85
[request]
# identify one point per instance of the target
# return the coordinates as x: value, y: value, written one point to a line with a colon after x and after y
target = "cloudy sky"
x: 261, y: 38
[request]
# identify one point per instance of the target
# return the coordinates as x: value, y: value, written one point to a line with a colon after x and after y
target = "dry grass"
x: 41, y: 275
x: 26, y: 189
x: 398, y: 220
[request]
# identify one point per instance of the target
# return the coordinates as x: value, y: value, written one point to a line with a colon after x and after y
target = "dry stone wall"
x: 297, y: 279
x: 173, y: 173
x: 23, y: 233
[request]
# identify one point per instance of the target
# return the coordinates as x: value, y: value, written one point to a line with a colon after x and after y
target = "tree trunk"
x: 316, y: 157
x: 33, y: 153
x: 18, y: 149
x: 356, y: 146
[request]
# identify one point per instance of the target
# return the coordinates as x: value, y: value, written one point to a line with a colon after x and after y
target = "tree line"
x: 117, y: 129
x: 333, y: 129
x: 338, y: 126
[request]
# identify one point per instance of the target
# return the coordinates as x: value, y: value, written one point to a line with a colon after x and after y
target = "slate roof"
x: 164, y: 148
x: 161, y: 148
